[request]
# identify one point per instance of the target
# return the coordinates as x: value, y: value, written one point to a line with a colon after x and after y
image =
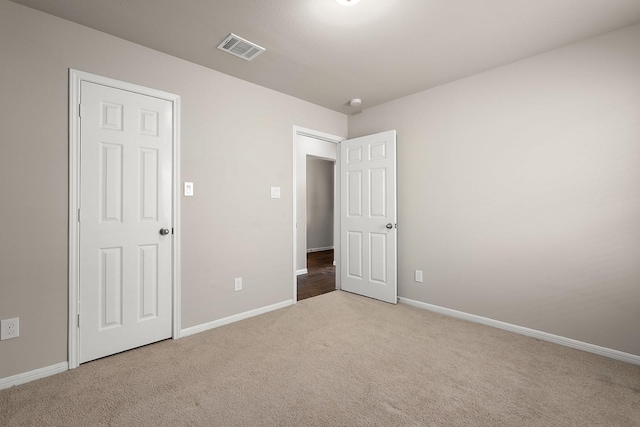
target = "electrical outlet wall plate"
x: 9, y: 328
x: 238, y: 284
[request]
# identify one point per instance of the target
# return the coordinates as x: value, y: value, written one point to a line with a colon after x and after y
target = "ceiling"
x: 377, y: 50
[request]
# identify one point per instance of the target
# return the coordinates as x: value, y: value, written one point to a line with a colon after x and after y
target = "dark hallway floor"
x: 321, y: 276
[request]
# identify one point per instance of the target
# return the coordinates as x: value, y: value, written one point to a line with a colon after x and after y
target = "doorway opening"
x: 365, y: 210
x: 310, y: 253
x: 320, y: 194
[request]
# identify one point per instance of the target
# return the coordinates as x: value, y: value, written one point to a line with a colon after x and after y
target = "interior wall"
x: 320, y: 196
x: 307, y: 146
x: 519, y: 191
x: 230, y: 228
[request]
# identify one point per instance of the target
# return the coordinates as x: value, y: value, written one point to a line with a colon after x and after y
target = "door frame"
x: 300, y: 131
x: 76, y: 78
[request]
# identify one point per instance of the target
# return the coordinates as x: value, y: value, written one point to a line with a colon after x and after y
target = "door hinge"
x: 171, y: 230
x: 78, y: 215
x: 78, y: 320
x: 79, y: 110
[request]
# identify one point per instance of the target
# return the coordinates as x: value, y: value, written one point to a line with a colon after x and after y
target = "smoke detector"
x: 240, y: 47
x: 355, y: 102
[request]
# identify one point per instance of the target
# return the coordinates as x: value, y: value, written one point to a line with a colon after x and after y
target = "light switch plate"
x: 418, y: 276
x: 275, y: 192
x: 188, y: 189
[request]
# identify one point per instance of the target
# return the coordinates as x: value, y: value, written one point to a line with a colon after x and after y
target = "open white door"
x: 368, y: 234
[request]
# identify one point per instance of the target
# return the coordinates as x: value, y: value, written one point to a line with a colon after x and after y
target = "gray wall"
x: 231, y: 228
x: 519, y: 191
x: 319, y: 203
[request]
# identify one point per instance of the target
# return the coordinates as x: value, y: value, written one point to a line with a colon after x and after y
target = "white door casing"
x: 368, y: 236
x: 123, y: 283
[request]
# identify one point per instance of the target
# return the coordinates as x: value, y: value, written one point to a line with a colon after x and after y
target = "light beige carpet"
x: 338, y: 360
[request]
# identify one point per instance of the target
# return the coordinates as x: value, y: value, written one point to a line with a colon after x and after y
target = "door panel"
x: 368, y: 200
x: 110, y: 190
x: 354, y: 251
x: 110, y: 296
x: 149, y: 184
x: 354, y: 189
x: 125, y: 199
x: 148, y: 282
x: 378, y: 247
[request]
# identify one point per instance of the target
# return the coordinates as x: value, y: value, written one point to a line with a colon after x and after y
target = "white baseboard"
x: 303, y: 271
x: 322, y: 249
x: 544, y: 336
x: 36, y: 374
x: 236, y: 317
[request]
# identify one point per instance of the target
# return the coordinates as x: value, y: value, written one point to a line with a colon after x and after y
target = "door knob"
x: 164, y: 231
x: 389, y: 226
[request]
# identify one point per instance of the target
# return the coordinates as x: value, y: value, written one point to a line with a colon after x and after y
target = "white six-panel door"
x: 368, y: 235
x: 125, y: 200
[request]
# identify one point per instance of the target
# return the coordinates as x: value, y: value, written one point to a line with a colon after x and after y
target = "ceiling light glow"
x: 347, y: 2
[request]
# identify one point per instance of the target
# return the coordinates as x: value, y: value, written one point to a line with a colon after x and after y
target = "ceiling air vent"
x: 240, y: 47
